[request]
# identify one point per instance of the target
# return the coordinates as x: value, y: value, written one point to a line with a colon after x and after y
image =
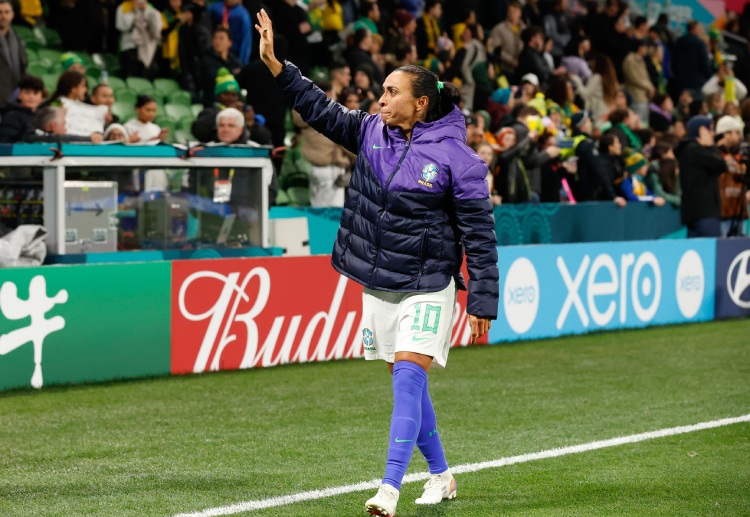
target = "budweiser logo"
x: 277, y: 313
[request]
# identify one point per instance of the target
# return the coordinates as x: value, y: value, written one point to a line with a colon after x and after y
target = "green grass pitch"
x: 170, y: 445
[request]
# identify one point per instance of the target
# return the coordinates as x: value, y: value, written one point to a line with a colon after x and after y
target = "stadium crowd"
x: 564, y: 101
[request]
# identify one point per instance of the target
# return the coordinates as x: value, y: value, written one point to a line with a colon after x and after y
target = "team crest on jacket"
x: 429, y: 173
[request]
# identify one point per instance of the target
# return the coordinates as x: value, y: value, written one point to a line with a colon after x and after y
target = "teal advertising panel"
x: 73, y: 324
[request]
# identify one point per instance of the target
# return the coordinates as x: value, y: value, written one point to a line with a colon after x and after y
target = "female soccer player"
x: 418, y: 196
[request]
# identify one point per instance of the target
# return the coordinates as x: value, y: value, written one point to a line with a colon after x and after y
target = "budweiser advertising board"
x: 229, y: 314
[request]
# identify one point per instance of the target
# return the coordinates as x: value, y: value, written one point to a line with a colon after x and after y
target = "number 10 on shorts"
x: 431, y: 318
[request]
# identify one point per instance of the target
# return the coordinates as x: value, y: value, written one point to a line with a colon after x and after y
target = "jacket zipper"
x: 385, y: 203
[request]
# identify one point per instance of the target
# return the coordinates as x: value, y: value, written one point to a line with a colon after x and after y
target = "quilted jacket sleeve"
x: 325, y: 115
x: 476, y: 224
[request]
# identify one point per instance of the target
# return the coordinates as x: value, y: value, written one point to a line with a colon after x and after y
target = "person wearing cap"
x: 701, y: 163
x: 637, y: 80
x: 529, y: 87
x: 226, y: 93
x: 71, y: 61
x: 632, y: 186
x: 732, y: 183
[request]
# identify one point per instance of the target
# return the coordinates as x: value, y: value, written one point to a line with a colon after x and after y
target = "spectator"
x: 103, y: 95
x: 661, y: 113
x: 507, y: 37
x: 232, y: 15
x: 226, y: 94
x: 556, y: 27
x: 662, y: 28
x: 231, y: 127
x: 196, y: 36
x: 220, y: 57
x: 471, y: 54
x: 531, y: 60
x: 662, y: 178
x: 71, y: 61
x: 116, y: 133
x: 690, y: 62
x: 258, y: 132
x: 19, y: 115
x: 610, y: 150
x: 290, y: 20
x: 576, y: 58
x: 529, y: 88
x: 655, y: 65
x: 715, y: 104
x: 173, y: 17
x: 640, y: 28
x: 407, y: 27
x: 428, y: 29
x: 369, y: 17
x: 363, y: 81
x: 49, y: 126
x: 13, y: 60
x: 71, y: 85
x: 532, y: 14
x: 143, y: 124
x: 624, y: 124
x: 140, y: 31
x: 359, y: 52
x: 601, y: 89
x: 701, y: 164
x: 330, y: 162
x: 341, y: 77
x: 726, y: 83
x: 512, y: 182
x: 632, y: 185
x: 485, y: 151
x: 637, y: 81
x: 734, y: 195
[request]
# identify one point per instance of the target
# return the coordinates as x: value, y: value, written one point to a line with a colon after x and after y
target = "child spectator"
x: 20, y: 114
x: 116, y: 133
x: 662, y: 178
x: 145, y: 108
x: 632, y: 185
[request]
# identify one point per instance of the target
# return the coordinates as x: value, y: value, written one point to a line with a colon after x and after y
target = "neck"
x: 224, y: 55
x: 4, y: 30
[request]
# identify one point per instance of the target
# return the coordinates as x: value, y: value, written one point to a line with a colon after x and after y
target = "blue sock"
x: 409, y: 381
x: 429, y: 441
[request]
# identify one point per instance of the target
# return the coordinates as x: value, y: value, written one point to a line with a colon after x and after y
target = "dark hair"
x: 366, y: 6
x: 324, y: 85
x: 607, y: 140
x: 346, y: 92
x: 640, y: 20
x: 142, y: 100
x: 529, y: 32
x: 99, y: 87
x: 662, y: 147
x: 31, y: 82
x: 429, y: 4
x: 691, y: 25
x: 402, y: 50
x: 425, y: 84
x: 618, y: 116
x: 528, y: 111
x: 604, y: 67
x: 338, y: 64
x: 473, y: 29
x: 557, y: 90
x: 663, y: 19
x: 359, y: 36
x: 223, y: 29
x: 65, y: 84
x: 668, y: 175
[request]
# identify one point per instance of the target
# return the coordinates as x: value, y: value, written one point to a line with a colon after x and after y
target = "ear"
x: 422, y: 103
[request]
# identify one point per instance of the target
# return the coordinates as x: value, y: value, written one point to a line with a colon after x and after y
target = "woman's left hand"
x: 479, y: 327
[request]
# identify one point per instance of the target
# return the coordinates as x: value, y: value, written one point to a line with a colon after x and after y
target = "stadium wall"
x: 96, y: 323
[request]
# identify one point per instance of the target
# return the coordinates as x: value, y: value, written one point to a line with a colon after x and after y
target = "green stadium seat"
x: 125, y: 95
x: 183, y: 137
x: 168, y: 122
x: 298, y: 196
x: 88, y: 61
x: 50, y: 82
x: 37, y: 68
x: 111, y: 62
x: 25, y: 33
x: 165, y: 86
x: 116, y: 83
x: 49, y: 38
x: 180, y: 97
x: 124, y: 111
x: 140, y: 85
x: 178, y: 111
x: 197, y: 108
x: 51, y: 55
x: 318, y: 74
x: 186, y: 123
x: 32, y: 45
x: 282, y: 199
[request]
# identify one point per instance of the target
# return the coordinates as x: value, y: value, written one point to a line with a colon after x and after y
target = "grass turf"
x: 172, y: 445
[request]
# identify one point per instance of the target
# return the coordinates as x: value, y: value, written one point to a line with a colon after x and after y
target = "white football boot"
x: 384, y: 503
x: 438, y: 487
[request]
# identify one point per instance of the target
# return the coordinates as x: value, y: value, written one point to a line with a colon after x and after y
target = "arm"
x: 476, y: 224
x: 323, y: 114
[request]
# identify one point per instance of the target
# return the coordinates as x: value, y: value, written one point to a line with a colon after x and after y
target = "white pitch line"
x: 460, y: 469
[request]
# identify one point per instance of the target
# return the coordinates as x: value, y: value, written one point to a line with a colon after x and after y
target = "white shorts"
x: 408, y: 322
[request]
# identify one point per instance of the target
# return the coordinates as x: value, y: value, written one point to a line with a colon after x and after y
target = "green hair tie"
x: 440, y: 86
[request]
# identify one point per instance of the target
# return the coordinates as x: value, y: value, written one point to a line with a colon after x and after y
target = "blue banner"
x: 553, y: 290
x: 732, y: 278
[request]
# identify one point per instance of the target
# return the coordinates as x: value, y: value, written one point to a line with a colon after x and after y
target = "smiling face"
x: 229, y: 129
x: 398, y: 107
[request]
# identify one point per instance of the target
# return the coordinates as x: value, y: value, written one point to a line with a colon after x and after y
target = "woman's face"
x: 485, y: 153
x: 615, y: 148
x: 79, y: 92
x: 621, y: 100
x: 147, y: 112
x: 398, y: 107
x: 352, y: 101
x: 679, y: 130
x: 362, y: 80
x: 668, y: 104
x: 116, y: 135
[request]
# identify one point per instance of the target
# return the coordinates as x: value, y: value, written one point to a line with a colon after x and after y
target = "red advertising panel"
x: 230, y: 314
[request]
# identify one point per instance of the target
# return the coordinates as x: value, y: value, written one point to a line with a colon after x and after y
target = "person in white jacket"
x: 718, y: 83
x: 140, y: 33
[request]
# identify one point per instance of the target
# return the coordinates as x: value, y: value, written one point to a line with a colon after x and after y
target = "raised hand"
x: 265, y: 28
